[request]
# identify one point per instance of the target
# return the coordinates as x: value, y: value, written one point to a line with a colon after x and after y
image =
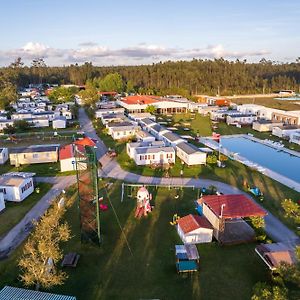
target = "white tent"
x: 2, y: 203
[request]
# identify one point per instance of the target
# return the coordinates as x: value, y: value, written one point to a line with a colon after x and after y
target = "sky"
x: 133, y: 32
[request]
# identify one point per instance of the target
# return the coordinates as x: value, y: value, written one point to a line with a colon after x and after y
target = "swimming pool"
x: 280, y: 162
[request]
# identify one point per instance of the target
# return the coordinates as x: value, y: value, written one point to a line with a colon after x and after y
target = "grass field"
x: 14, y: 211
x: 47, y: 169
x: 111, y: 272
x: 269, y: 102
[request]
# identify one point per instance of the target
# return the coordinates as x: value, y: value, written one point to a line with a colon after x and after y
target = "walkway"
x: 111, y: 169
x: 20, y: 232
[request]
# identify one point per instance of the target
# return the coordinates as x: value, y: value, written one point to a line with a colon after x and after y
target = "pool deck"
x: 209, y: 142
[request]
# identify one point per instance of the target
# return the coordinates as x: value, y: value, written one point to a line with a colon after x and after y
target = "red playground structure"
x: 143, y: 206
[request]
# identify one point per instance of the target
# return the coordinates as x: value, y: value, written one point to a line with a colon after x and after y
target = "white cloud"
x: 89, y: 51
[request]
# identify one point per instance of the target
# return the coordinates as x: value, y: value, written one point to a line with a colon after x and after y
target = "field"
x: 46, y: 169
x: 14, y: 212
x: 269, y: 102
x: 112, y: 272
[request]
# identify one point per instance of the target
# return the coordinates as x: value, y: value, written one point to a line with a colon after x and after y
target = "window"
x: 35, y: 155
x: 3, y: 190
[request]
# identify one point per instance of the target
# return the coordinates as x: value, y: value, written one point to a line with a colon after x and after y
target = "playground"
x: 145, y: 267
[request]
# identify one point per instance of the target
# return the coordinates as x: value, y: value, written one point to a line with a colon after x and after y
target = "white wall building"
x: 113, y: 110
x: 295, y: 137
x: 190, y: 154
x: 2, y: 202
x: 59, y: 122
x: 172, y: 139
x: 242, y: 119
x: 131, y: 147
x: 16, y: 186
x: 284, y: 131
x: 194, y: 230
x: 144, y: 136
x: 154, y: 155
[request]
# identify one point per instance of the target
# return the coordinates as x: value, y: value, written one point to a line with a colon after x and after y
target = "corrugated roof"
x: 188, y: 148
x: 154, y: 150
x: 191, y: 222
x: 139, y: 100
x: 35, y: 148
x: 172, y: 137
x: 234, y: 206
x: 13, y: 293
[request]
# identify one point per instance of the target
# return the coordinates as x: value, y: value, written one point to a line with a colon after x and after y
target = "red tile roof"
x: 139, y: 99
x: 66, y: 152
x: 190, y: 223
x: 85, y: 142
x: 235, y: 206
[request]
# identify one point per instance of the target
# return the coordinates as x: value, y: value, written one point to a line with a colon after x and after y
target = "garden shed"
x: 194, y: 229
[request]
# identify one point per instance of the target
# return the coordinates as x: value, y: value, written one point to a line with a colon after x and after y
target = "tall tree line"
x: 196, y: 77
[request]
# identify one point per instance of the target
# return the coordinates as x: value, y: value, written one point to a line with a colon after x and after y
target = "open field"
x: 14, y: 211
x: 111, y: 272
x: 269, y: 102
x: 47, y: 169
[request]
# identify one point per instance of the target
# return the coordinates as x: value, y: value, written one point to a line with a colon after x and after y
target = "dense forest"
x: 196, y: 76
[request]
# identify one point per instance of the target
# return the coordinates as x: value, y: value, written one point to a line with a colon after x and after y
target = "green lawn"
x: 198, y: 124
x: 14, y: 212
x: 111, y: 272
x: 47, y: 169
x: 269, y: 102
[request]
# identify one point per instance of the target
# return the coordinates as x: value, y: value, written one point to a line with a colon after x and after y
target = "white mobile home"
x: 59, y: 122
x: 284, y: 131
x: 3, y: 155
x: 154, y: 155
x: 2, y: 202
x: 190, y: 154
x: 144, y: 136
x: 264, y: 125
x: 16, y: 186
x: 131, y: 147
x: 172, y: 139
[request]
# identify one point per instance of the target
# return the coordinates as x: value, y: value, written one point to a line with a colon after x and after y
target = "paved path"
x: 111, y: 169
x: 20, y: 232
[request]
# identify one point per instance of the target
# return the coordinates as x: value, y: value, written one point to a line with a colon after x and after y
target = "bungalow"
x: 38, y: 122
x: 144, y: 136
x: 154, y: 155
x: 131, y: 147
x: 45, y: 114
x: 59, y: 122
x: 147, y: 123
x: 172, y: 139
x: 194, y: 229
x: 113, y: 110
x: 16, y: 186
x: 263, y: 125
x: 226, y: 212
x: 112, y: 117
x: 275, y: 254
x: 5, y: 124
x: 123, y: 130
x: 21, y: 115
x: 242, y: 119
x: 33, y: 154
x: 285, y: 131
x: 67, y: 158
x: 139, y: 116
x: 295, y: 137
x: 3, y: 155
x: 190, y: 154
x: 158, y: 130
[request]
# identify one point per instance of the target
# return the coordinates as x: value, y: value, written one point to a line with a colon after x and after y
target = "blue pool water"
x: 280, y: 162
